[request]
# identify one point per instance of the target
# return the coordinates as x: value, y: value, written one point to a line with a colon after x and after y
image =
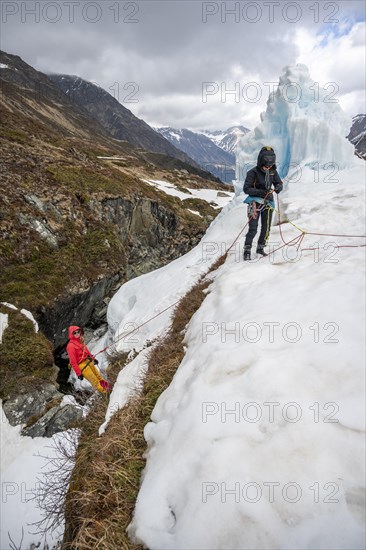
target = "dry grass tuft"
x: 106, y: 478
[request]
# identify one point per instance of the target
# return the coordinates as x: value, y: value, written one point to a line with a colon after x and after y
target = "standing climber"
x: 83, y: 362
x: 258, y: 185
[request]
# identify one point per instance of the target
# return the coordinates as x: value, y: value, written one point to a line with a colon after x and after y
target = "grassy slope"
x: 26, y: 358
x: 106, y: 478
x: 65, y: 170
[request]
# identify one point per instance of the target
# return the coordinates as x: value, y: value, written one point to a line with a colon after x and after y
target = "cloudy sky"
x: 174, y: 63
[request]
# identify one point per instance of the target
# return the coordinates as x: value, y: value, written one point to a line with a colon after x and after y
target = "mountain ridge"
x: 213, y: 151
x: 119, y: 121
x: 227, y: 139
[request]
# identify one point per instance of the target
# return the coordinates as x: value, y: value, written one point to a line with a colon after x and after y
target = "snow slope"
x: 259, y: 440
x: 3, y: 324
x: 24, y: 463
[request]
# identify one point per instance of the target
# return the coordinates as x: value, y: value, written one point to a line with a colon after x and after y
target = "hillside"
x: 118, y: 121
x: 77, y: 217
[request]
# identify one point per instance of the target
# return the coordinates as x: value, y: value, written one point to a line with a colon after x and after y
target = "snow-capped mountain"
x: 357, y: 135
x: 227, y: 139
x: 209, y: 155
x: 263, y: 423
x: 212, y: 150
x: 198, y: 145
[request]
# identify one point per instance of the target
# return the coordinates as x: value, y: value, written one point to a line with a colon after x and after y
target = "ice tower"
x: 303, y: 122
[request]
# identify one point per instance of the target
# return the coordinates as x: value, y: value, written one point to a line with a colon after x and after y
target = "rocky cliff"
x: 357, y: 135
x: 77, y: 218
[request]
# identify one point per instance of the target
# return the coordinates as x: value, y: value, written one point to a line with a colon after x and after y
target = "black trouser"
x: 266, y: 218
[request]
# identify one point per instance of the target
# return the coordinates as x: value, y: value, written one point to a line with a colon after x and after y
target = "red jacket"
x: 77, y: 351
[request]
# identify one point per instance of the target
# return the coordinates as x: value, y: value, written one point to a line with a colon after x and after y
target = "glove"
x: 265, y: 195
x: 278, y: 188
x: 104, y: 384
x: 81, y: 377
x: 96, y: 362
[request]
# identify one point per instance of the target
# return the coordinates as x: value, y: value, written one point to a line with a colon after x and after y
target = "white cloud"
x: 170, y: 52
x: 340, y: 61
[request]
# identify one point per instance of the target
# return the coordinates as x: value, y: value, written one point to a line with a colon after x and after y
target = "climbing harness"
x: 87, y: 365
x: 254, y: 209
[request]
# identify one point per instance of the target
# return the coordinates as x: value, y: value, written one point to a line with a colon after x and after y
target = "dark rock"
x: 20, y: 409
x: 77, y: 309
x: 357, y: 135
x: 57, y: 419
x: 155, y: 237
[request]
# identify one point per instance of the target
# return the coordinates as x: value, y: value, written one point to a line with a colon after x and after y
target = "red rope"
x: 293, y: 242
x: 335, y: 235
x: 139, y: 326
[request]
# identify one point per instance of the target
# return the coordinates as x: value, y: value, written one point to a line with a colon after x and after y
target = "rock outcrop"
x: 29, y: 391
x: 57, y: 419
x: 21, y: 408
x: 77, y: 220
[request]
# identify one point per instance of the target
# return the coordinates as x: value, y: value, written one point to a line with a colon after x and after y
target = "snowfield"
x: 212, y: 196
x: 25, y: 462
x: 259, y: 440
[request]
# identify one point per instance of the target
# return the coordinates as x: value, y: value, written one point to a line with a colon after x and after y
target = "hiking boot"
x: 260, y: 251
x: 246, y: 255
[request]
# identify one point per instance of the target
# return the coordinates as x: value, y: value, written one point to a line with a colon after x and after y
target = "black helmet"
x: 267, y: 157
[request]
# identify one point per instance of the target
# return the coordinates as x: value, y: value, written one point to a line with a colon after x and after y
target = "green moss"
x: 49, y: 273
x: 201, y: 206
x: 183, y: 189
x: 25, y: 356
x: 83, y: 179
x: 14, y: 135
x: 9, y: 249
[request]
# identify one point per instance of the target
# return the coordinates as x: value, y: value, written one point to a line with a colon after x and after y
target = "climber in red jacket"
x: 83, y: 361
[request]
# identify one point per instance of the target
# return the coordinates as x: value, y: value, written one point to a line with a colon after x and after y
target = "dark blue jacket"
x: 255, y: 181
